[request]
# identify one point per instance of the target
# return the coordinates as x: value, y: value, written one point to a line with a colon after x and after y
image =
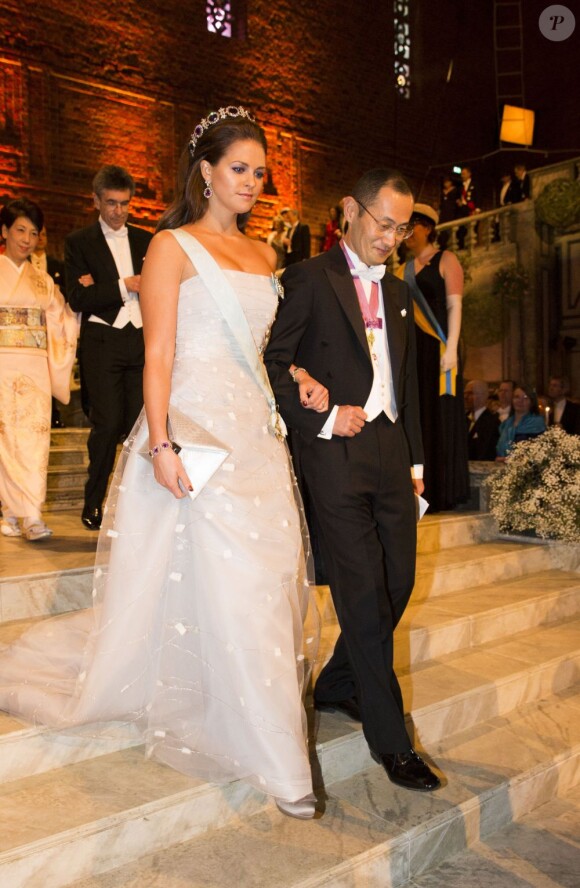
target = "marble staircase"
x: 487, y: 655
x: 67, y: 468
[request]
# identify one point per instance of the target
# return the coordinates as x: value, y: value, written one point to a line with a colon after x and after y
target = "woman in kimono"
x: 37, y: 348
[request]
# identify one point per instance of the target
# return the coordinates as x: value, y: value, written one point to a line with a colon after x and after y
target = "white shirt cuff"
x: 417, y: 472
x: 326, y: 431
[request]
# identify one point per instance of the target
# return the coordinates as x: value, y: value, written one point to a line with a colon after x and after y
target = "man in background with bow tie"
x: 103, y: 272
x: 349, y: 324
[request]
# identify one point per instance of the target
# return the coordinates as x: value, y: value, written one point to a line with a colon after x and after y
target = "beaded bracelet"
x: 295, y: 371
x: 165, y: 445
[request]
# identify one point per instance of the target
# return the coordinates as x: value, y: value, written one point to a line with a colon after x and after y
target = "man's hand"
x: 418, y: 486
x: 86, y: 280
x: 349, y: 421
x: 133, y: 283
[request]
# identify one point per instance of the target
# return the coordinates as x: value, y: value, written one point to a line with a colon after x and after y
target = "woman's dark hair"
x: 189, y: 204
x: 532, y: 397
x: 426, y: 222
x: 22, y: 207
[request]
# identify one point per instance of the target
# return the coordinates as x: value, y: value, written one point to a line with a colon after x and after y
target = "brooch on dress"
x: 278, y: 288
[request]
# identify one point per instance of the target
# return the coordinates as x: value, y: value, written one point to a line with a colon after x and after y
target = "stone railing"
x: 479, y: 230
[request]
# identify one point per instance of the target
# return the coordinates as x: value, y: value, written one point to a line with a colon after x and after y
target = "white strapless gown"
x: 197, y: 632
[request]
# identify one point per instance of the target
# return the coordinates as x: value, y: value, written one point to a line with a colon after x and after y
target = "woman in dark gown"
x: 439, y: 277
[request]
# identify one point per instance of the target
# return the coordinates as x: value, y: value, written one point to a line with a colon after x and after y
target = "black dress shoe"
x: 92, y: 518
x: 408, y: 769
x: 347, y: 707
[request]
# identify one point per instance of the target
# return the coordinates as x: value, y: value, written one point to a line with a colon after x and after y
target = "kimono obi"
x: 22, y: 327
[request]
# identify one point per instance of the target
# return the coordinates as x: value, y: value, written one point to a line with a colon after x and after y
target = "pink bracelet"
x: 165, y: 445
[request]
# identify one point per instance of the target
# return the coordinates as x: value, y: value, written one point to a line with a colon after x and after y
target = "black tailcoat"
x: 359, y: 488
x: 111, y: 360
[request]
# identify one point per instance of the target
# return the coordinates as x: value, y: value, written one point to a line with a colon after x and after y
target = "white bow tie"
x: 122, y: 232
x: 373, y: 273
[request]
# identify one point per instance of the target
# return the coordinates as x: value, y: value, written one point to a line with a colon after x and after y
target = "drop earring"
x: 208, y: 190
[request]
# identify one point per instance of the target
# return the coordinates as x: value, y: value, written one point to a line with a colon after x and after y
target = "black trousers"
x: 362, y: 493
x: 112, y: 369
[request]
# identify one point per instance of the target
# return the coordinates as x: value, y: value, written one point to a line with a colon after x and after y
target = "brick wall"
x: 87, y: 83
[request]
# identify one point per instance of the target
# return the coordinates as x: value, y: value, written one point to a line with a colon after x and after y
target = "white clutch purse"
x: 200, y: 453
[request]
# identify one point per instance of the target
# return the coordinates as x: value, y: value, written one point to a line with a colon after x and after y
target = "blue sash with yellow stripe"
x: 426, y: 320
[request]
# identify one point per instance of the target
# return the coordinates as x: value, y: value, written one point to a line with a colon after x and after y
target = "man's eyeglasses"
x: 401, y: 232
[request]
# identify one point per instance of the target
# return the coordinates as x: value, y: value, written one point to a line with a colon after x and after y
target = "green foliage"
x: 511, y: 283
x: 482, y: 318
x: 559, y: 203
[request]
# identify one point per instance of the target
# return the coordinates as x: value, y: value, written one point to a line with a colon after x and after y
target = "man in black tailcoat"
x: 103, y: 266
x: 564, y: 412
x: 298, y: 243
x: 356, y: 458
x: 482, y: 424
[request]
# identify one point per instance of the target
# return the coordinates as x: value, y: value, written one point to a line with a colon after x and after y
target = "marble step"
x: 457, y: 569
x: 464, y: 567
x: 443, y: 696
x: 121, y: 820
x: 540, y: 849
x: 63, y: 477
x: 435, y: 627
x: 63, y: 500
x: 459, y: 620
x: 69, y: 437
x: 449, y: 529
x: 68, y: 456
x: 459, y: 691
x: 42, y: 594
x: 438, y: 573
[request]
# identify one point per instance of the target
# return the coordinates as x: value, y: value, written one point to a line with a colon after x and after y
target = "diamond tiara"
x: 215, y: 117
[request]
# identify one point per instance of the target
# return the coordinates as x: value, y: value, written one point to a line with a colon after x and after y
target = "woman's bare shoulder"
x: 449, y: 260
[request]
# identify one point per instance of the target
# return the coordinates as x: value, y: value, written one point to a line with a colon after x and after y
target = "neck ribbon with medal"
x: 369, y: 307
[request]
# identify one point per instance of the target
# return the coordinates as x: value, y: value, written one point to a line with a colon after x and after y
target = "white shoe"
x: 302, y: 809
x: 9, y: 527
x: 37, y: 531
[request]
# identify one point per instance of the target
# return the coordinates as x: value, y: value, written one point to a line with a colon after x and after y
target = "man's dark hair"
x: 563, y: 380
x: 369, y: 184
x: 113, y: 178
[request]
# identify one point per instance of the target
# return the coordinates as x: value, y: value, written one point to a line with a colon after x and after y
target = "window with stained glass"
x: 402, y: 24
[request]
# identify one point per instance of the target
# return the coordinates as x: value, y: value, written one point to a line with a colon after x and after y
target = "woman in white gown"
x: 204, y: 627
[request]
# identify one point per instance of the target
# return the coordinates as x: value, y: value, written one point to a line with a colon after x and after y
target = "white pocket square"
x: 404, y: 312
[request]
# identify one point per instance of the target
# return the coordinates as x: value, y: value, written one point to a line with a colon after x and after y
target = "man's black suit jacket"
x: 55, y: 268
x: 570, y: 420
x: 299, y: 245
x: 87, y: 252
x: 470, y: 194
x: 319, y: 326
x: 521, y: 188
x: 483, y: 437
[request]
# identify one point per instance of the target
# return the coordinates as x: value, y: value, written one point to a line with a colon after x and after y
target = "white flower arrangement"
x: 539, y: 488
